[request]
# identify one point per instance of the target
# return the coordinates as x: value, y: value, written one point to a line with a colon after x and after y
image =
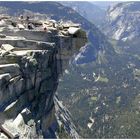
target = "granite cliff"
x: 32, y: 56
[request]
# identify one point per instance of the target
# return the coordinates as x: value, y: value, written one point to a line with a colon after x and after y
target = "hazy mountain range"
x: 88, y: 10
x: 123, y: 21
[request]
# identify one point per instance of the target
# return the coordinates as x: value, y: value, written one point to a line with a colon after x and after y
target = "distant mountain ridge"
x: 91, y: 12
x: 123, y: 21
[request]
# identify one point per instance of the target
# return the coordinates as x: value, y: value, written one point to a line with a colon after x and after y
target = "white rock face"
x: 30, y: 65
x: 91, y: 122
x: 20, y: 26
x: 7, y: 47
x: 10, y: 106
x: 73, y: 30
x: 123, y: 21
x: 2, y: 23
x: 19, y: 122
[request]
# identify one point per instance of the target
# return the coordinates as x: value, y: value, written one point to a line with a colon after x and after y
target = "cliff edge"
x: 32, y: 56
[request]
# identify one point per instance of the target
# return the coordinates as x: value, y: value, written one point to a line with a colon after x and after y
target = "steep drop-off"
x: 31, y: 61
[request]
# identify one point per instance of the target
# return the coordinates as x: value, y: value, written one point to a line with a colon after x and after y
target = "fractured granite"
x: 31, y: 60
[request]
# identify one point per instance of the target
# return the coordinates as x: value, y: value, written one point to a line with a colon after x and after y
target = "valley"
x: 104, y: 95
x: 107, y: 92
x: 100, y: 89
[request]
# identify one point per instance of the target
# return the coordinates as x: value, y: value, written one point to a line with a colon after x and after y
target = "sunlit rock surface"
x: 31, y: 60
x: 123, y: 21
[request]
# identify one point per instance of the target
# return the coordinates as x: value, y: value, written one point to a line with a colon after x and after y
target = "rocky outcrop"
x: 97, y: 41
x: 123, y: 21
x: 31, y: 61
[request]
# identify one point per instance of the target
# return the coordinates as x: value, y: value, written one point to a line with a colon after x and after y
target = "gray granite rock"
x: 29, y: 74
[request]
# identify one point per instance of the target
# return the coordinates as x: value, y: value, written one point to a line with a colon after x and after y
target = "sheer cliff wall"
x: 30, y: 64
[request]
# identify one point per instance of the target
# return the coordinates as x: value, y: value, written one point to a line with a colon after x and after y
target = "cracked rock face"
x: 30, y: 64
